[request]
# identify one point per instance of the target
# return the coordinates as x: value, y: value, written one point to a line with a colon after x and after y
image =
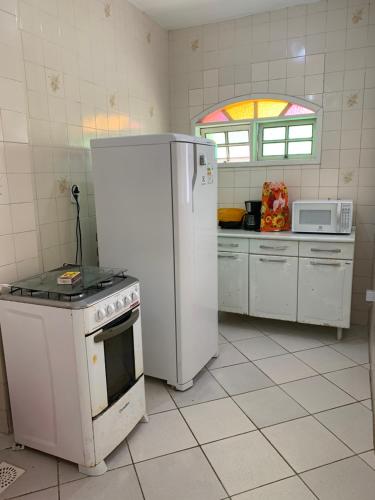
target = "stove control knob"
x: 110, y: 309
x: 126, y: 300
x: 119, y: 304
x: 135, y: 297
x: 100, y: 315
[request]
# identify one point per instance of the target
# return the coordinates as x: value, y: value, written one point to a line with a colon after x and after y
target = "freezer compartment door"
x: 194, y: 177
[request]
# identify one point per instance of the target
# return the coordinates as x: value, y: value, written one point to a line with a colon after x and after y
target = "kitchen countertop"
x: 288, y: 235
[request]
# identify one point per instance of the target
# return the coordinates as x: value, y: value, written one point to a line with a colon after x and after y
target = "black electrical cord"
x: 75, y: 194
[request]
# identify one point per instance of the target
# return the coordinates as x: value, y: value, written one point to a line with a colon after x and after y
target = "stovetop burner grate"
x: 46, y: 286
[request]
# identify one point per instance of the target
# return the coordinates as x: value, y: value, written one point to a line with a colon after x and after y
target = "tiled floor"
x: 283, y: 414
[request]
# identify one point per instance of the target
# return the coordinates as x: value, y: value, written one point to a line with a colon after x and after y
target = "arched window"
x: 270, y: 130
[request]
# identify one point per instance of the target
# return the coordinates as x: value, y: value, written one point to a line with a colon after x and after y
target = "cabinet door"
x: 324, y: 292
x: 273, y: 287
x: 233, y: 282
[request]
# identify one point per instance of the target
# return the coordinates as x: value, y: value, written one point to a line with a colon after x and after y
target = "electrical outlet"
x: 76, y: 187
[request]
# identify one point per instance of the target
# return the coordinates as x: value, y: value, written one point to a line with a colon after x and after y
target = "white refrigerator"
x: 156, y: 200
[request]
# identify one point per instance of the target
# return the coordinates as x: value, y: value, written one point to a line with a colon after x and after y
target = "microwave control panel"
x: 346, y: 218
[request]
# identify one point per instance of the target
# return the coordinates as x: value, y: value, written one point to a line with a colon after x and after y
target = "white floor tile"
x: 259, y: 347
x: 216, y: 420
x: 164, y: 433
x: 356, y: 349
x: 222, y: 340
x: 317, y: 394
x: 369, y: 457
x: 294, y: 337
x: 355, y: 381
x: 287, y: 489
x: 241, y: 378
x: 324, y: 359
x: 186, y: 475
x: 295, y: 342
x: 119, y: 457
x: 228, y: 355
x: 235, y: 327
x: 349, y: 479
x: 284, y: 368
x: 205, y: 388
x: 245, y: 462
x: 367, y: 403
x: 305, y: 443
x: 113, y: 485
x: 50, y: 494
x: 353, y: 424
x: 158, y: 398
x: 269, y: 406
x: 68, y: 471
x: 41, y: 471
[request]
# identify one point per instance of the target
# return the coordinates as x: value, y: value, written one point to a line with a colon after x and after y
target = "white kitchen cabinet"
x: 233, y: 282
x: 291, y: 276
x: 273, y: 286
x: 324, y: 291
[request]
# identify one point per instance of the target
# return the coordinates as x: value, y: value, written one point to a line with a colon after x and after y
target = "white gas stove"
x: 74, y: 363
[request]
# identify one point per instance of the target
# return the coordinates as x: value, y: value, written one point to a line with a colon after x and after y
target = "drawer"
x: 326, y: 250
x: 239, y: 245
x: 274, y: 247
x: 113, y: 425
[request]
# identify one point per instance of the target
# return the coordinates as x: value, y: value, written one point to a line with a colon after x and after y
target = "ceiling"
x: 174, y: 14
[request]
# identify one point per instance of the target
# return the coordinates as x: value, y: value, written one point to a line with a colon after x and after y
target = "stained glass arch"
x: 256, y: 108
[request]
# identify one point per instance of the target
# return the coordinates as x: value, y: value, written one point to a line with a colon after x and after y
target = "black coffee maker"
x: 251, y: 221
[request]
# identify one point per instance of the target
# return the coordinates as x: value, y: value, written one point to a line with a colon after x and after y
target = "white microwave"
x: 322, y: 216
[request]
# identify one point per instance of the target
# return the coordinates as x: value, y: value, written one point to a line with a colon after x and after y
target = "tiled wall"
x: 70, y: 70
x: 323, y: 52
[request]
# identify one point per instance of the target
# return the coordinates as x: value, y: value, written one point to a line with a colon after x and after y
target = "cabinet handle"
x: 266, y: 247
x: 329, y: 250
x: 273, y: 260
x: 233, y: 257
x: 315, y: 263
x: 229, y: 245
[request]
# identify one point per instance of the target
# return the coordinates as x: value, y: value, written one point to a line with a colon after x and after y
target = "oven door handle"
x: 118, y: 329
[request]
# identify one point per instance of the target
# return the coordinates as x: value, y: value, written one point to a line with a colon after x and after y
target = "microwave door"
x: 317, y: 219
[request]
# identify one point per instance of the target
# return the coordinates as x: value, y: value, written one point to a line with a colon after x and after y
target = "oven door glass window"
x: 120, y: 369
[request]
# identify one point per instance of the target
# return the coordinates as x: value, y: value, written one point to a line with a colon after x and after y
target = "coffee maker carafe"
x: 251, y: 221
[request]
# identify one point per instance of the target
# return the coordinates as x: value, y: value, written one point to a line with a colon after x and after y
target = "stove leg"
x: 339, y: 333
x: 98, y: 469
x: 184, y: 387
x: 145, y: 419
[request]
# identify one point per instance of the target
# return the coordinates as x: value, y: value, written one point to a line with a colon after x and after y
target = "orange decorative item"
x: 275, y: 210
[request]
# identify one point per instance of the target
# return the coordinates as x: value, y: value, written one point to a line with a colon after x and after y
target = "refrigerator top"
x: 147, y: 140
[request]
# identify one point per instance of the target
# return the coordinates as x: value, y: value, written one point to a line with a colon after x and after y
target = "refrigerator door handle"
x: 194, y: 179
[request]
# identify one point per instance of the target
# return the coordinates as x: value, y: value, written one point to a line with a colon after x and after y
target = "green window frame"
x: 229, y: 145
x: 287, y: 140
x: 257, y: 141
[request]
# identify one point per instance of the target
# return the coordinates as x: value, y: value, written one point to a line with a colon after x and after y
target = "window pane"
x: 300, y: 132
x: 221, y: 155
x: 300, y: 148
x: 218, y: 137
x: 274, y: 149
x: 238, y: 136
x: 274, y: 133
x: 239, y: 153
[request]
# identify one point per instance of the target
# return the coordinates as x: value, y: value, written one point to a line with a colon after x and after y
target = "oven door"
x: 321, y: 217
x: 114, y: 359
